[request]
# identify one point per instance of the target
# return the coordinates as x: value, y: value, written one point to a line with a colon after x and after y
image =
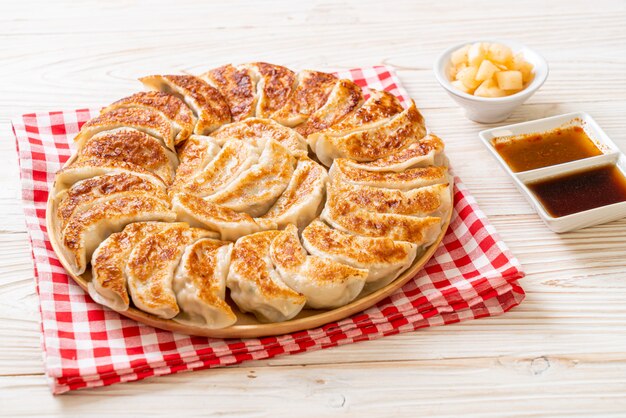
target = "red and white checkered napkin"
x: 472, y: 275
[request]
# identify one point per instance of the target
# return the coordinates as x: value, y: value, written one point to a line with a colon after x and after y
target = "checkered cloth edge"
x: 472, y: 275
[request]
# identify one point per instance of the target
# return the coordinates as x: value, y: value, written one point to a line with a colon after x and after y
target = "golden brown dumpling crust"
x: 429, y: 144
x: 142, y: 119
x: 131, y: 146
x: 424, y: 175
x: 207, y: 103
x: 344, y: 99
x: 258, y: 131
x: 209, y: 99
x: 324, y: 270
x: 81, y: 170
x: 112, y: 215
x: 326, y: 283
x: 237, y: 86
x: 364, y: 250
x: 170, y: 106
x: 200, y: 268
x: 378, y: 108
x: 193, y: 155
x: 249, y: 261
x: 288, y: 252
x: 305, y: 181
x: 110, y: 259
x: 227, y: 222
x: 274, y: 86
x: 127, y: 205
x: 397, y: 227
x: 418, y: 202
x: 97, y: 187
x: 232, y: 159
x: 260, y: 186
x: 205, y: 209
x: 372, y: 144
x: 310, y: 94
x: 150, y: 265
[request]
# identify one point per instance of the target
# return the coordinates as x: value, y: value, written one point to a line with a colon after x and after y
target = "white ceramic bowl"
x: 496, y: 109
x: 611, y: 155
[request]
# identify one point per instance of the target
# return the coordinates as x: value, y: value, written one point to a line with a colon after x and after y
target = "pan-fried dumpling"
x: 377, y: 110
x: 134, y: 147
x: 325, y: 283
x: 254, y: 284
x: 142, y: 119
x: 347, y: 217
x: 257, y: 132
x: 383, y: 258
x: 85, y: 193
x: 171, y: 107
x: 195, y: 154
x: 233, y: 159
x: 301, y: 201
x: 228, y: 223
x: 87, y: 229
x: 274, y: 85
x: 256, y: 189
x: 426, y: 201
x: 151, y: 266
x: 344, y: 99
x: 238, y: 86
x: 344, y: 170
x: 423, y: 153
x: 82, y: 170
x: 206, y: 102
x: 381, y: 141
x: 311, y: 92
x: 108, y: 263
x: 200, y: 285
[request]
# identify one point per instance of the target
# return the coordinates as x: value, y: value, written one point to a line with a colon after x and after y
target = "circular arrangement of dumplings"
x: 290, y: 190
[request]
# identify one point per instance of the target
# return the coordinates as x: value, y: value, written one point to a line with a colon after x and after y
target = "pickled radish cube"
x: 452, y: 72
x: 489, y: 88
x: 510, y: 80
x: 486, y: 70
x: 523, y: 66
x: 501, y: 54
x: 468, y: 77
x: 476, y: 53
x: 527, y: 76
x: 459, y: 56
x: 460, y: 86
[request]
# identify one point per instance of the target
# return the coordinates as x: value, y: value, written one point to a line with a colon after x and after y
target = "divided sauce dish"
x: 609, y: 156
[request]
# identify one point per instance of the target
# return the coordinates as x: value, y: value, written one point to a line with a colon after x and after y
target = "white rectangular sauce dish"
x: 611, y: 155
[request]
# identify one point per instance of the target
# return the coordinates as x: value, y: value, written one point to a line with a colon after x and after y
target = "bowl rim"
x: 541, y: 72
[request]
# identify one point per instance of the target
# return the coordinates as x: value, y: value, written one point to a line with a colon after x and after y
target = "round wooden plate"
x: 247, y: 326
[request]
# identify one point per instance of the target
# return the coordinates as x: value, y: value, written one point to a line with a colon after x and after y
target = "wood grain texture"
x: 561, y: 353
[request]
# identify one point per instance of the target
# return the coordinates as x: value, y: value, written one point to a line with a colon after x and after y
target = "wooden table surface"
x: 562, y: 352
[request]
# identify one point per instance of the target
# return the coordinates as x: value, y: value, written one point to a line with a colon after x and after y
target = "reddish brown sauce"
x: 528, y: 152
x: 581, y: 191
